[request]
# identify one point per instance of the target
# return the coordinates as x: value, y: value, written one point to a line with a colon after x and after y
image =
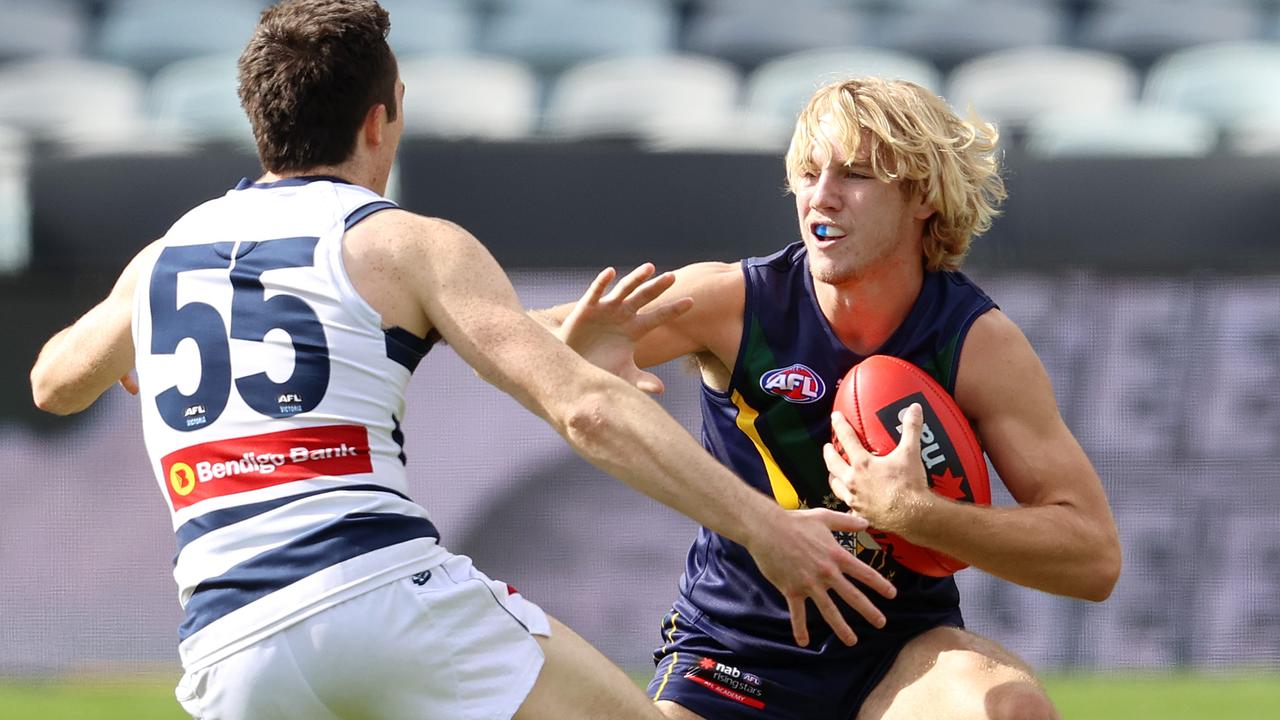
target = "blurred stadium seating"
x: 552, y: 35
x: 15, y: 209
x: 196, y: 98
x: 1125, y: 131
x: 439, y: 27
x: 984, y: 52
x: 646, y: 96
x: 1256, y: 134
x: 1224, y: 82
x: 71, y: 98
x: 475, y: 96
x: 1010, y: 87
x: 778, y: 89
x: 1144, y: 31
x: 749, y: 32
x: 949, y: 33
x: 40, y: 27
x: 148, y: 34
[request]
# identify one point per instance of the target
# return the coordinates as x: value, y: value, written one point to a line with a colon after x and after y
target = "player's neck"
x: 864, y: 311
x: 351, y: 172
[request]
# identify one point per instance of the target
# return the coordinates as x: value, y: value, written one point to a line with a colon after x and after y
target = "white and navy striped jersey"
x: 272, y: 399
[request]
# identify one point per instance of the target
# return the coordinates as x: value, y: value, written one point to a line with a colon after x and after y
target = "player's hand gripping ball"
x: 871, y: 396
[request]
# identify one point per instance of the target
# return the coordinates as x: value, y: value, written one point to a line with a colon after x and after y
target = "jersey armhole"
x: 338, y: 265
x: 962, y: 335
x: 748, y: 290
x: 364, y: 211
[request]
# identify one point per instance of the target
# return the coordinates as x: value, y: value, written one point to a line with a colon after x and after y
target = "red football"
x: 871, y: 396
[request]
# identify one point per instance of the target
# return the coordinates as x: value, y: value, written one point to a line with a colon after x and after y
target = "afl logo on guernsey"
x: 794, y: 383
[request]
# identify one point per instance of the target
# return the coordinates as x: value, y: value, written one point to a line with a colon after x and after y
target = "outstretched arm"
x: 1060, y: 538
x: 79, y: 363
x: 617, y: 428
x: 604, y: 327
x: 710, y: 323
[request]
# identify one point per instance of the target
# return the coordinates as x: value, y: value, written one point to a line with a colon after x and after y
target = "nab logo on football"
x: 796, y: 383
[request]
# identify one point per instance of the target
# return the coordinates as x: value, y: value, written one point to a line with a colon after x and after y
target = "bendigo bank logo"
x: 235, y: 465
x: 795, y: 383
x: 182, y: 479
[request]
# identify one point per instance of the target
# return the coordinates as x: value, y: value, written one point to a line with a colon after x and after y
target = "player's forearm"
x: 1055, y: 548
x: 48, y: 391
x: 81, y: 362
x: 632, y: 438
x: 552, y: 318
x: 615, y: 426
x: 68, y: 376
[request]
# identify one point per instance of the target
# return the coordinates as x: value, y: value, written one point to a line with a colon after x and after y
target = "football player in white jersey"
x: 274, y: 330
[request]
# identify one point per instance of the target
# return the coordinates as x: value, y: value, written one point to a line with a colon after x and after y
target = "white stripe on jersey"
x: 271, y: 403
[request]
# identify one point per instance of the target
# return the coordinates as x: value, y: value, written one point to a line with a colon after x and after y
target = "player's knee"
x: 1019, y: 700
x: 1002, y: 691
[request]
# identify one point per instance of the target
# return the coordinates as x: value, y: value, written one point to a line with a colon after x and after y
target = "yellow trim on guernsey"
x: 783, y: 491
x: 671, y: 638
x: 675, y: 656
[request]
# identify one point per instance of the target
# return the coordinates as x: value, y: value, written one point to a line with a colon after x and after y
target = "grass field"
x: 1084, y: 697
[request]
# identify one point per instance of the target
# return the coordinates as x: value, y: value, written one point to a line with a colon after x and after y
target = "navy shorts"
x: 700, y: 673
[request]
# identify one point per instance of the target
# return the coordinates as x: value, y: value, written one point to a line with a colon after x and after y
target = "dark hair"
x: 309, y: 75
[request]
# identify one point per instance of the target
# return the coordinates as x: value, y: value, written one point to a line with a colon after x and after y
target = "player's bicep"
x: 470, y: 301
x: 1004, y: 388
x: 714, y: 324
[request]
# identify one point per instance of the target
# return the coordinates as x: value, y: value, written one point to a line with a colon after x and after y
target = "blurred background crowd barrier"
x: 1138, y: 250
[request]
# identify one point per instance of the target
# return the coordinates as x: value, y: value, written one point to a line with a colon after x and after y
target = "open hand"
x: 805, y: 562
x: 604, y: 328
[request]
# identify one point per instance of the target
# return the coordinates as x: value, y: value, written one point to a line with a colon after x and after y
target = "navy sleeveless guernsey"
x: 769, y: 428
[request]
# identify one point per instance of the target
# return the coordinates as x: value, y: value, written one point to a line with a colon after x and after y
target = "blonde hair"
x: 916, y: 138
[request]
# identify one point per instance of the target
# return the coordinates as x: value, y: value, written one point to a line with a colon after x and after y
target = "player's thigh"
x: 952, y: 673
x: 577, y: 681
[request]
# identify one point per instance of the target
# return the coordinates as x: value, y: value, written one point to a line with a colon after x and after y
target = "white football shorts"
x: 444, y: 644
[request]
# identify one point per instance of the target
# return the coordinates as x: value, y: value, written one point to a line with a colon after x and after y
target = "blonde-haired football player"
x: 890, y: 188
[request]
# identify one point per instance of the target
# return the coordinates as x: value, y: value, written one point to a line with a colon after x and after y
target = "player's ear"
x: 922, y: 207
x: 917, y: 202
x: 375, y: 120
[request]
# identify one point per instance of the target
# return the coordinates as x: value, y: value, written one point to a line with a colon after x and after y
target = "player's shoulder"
x: 710, y: 272
x: 142, y: 261
x: 996, y: 363
x: 716, y: 288
x: 400, y: 224
x: 150, y: 251
x: 996, y: 333
x: 405, y: 236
